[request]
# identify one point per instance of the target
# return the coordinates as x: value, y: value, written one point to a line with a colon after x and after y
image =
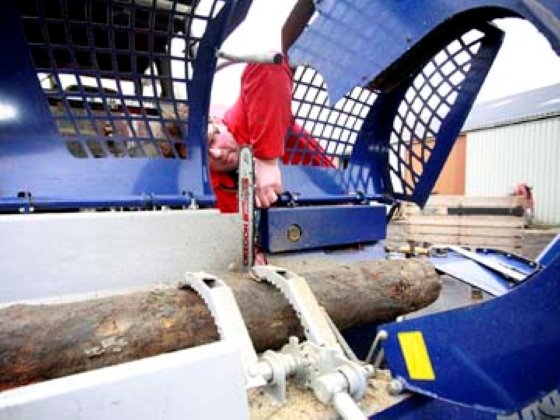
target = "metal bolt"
x: 395, y: 387
x: 253, y: 370
x: 294, y: 233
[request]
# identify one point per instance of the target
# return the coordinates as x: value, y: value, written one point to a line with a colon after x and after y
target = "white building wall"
x: 500, y: 158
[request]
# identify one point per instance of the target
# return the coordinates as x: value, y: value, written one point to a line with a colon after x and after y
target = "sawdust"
x: 302, y: 404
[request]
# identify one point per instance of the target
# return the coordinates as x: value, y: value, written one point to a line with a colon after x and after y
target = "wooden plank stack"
x: 495, y: 222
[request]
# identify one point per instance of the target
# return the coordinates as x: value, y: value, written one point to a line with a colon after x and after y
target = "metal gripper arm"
x: 334, y: 378
x: 295, y: 289
x: 319, y: 363
x: 223, y: 307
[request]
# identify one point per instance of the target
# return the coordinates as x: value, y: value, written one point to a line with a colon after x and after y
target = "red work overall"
x: 262, y: 117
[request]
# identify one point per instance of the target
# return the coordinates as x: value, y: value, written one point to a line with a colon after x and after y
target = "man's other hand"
x: 268, y: 182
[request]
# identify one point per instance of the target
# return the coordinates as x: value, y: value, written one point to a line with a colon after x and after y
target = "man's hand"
x: 268, y: 182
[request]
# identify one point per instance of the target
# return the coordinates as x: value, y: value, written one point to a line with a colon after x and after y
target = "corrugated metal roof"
x: 525, y: 106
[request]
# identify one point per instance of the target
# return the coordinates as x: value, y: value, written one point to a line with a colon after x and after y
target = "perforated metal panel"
x: 391, y: 143
x: 110, y: 100
x: 424, y: 109
x: 334, y: 126
x: 116, y: 74
x: 384, y: 46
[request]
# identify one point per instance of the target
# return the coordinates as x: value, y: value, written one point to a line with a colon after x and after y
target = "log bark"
x: 40, y: 342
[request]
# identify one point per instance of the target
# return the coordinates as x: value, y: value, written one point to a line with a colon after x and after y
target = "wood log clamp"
x: 323, y: 363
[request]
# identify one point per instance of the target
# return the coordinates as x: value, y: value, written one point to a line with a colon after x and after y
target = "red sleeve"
x: 267, y: 95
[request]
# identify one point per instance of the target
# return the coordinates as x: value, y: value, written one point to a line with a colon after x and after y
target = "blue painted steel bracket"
x: 398, y: 31
x: 550, y: 253
x: 34, y: 152
x: 490, y: 281
x: 471, y: 273
x: 497, y: 356
x: 299, y: 228
x: 388, y: 47
x: 407, y: 139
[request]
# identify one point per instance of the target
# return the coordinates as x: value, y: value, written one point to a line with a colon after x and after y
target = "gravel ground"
x: 536, y: 240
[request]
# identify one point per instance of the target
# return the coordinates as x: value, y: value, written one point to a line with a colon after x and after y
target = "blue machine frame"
x: 292, y: 229
x: 497, y: 356
x: 90, y: 146
x: 118, y: 136
x: 422, y: 104
x: 387, y: 138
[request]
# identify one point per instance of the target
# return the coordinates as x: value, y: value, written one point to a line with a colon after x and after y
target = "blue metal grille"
x: 413, y: 123
x: 130, y: 79
x: 424, y: 109
x: 334, y: 126
x: 116, y: 73
x: 391, y: 143
x: 110, y: 101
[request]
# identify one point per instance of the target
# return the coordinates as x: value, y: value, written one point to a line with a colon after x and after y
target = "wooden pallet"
x: 442, y: 204
x: 434, y: 225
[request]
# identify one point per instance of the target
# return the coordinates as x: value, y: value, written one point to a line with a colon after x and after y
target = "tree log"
x: 40, y: 342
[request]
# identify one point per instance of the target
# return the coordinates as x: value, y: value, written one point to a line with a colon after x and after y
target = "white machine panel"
x: 205, y: 382
x: 50, y: 255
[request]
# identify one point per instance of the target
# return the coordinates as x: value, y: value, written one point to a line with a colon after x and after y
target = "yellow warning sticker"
x: 416, y: 356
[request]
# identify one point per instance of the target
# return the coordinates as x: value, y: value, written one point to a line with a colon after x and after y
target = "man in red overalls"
x: 261, y: 117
